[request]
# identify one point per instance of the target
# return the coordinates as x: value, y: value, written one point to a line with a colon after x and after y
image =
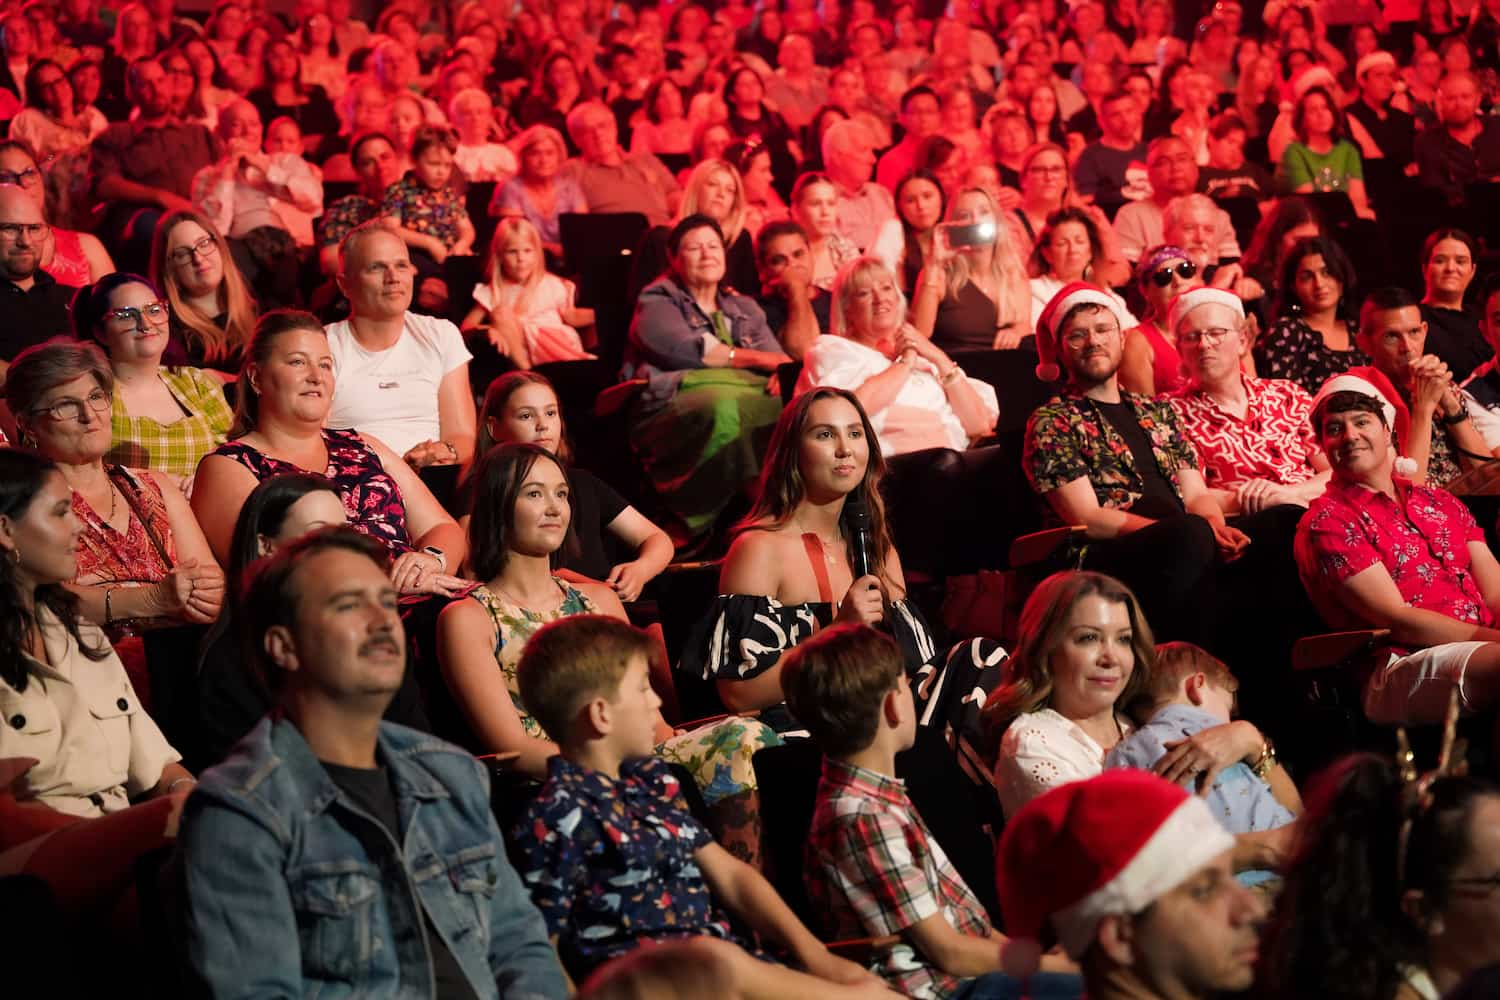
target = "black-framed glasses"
x: 64, y: 410
x: 22, y: 178
x: 205, y: 247
x: 34, y: 231
x: 136, y: 317
x: 1186, y: 270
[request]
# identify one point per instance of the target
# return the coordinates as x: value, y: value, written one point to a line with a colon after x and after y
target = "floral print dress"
x: 717, y: 754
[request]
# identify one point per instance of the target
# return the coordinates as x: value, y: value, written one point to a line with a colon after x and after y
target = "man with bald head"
x: 36, y: 306
x: 402, y: 377
x: 1465, y: 147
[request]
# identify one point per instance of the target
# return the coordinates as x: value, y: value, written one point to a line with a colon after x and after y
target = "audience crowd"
x: 766, y: 498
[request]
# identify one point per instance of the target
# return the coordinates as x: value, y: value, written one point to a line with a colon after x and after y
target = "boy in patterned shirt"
x: 609, y: 850
x: 872, y: 867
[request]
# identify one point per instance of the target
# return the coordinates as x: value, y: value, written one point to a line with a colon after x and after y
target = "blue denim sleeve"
x: 241, y: 928
x: 524, y: 961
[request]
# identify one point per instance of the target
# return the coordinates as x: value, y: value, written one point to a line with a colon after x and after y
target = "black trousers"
x: 941, y: 506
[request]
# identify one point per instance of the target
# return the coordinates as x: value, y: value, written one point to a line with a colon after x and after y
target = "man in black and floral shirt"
x: 1120, y: 466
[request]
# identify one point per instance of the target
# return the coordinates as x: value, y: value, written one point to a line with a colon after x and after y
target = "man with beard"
x: 333, y: 851
x: 1132, y: 876
x: 1119, y: 466
x: 145, y: 167
x: 36, y: 306
x: 1375, y: 551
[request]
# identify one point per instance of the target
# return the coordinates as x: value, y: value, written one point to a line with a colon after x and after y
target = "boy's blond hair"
x: 570, y: 662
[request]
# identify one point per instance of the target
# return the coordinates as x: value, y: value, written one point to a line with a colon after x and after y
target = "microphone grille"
x: 857, y: 512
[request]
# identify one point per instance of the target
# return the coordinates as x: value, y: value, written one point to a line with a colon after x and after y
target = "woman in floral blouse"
x: 521, y: 521
x: 1313, y: 340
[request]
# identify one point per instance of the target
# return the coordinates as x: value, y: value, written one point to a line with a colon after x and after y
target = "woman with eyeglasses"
x: 162, y: 418
x: 213, y: 312
x: 72, y: 257
x: 142, y: 561
x: 1151, y: 364
x: 49, y: 123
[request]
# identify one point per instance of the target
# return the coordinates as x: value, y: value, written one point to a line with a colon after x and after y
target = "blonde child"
x: 479, y: 156
x: 424, y: 207
x: 529, y: 313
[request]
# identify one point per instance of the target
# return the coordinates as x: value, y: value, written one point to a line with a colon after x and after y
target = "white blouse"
x: 919, y: 417
x: 1042, y: 750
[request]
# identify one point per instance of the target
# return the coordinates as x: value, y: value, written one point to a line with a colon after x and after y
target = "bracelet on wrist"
x: 1267, y: 759
x: 947, y: 377
x: 731, y: 357
x: 173, y: 786
x: 109, y: 611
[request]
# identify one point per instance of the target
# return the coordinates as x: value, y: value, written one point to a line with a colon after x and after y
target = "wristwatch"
x: 437, y: 554
x: 1457, y: 418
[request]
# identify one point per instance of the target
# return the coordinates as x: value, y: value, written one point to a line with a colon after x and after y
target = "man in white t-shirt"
x: 402, y: 377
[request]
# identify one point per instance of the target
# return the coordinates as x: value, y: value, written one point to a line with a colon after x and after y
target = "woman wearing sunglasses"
x: 162, y: 418
x: 1151, y: 365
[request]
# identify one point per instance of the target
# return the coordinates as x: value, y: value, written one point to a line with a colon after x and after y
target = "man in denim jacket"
x: 336, y: 854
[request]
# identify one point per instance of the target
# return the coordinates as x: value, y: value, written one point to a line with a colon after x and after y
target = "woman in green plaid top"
x: 164, y: 419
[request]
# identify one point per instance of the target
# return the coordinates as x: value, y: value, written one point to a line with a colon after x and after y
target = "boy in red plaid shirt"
x: 872, y: 868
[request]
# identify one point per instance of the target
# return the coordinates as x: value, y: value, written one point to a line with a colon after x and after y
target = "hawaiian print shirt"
x: 874, y: 869
x: 343, y: 216
x: 1274, y: 441
x: 613, y: 863
x: 1068, y: 438
x: 437, y: 213
x: 1421, y: 538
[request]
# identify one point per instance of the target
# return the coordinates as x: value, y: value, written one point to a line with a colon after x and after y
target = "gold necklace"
x: 828, y: 547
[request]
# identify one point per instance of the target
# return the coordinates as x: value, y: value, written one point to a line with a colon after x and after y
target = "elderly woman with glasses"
x: 162, y: 418
x: 143, y: 561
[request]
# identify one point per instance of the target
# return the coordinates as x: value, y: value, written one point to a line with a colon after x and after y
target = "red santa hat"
x: 1073, y: 294
x: 1111, y: 845
x: 1368, y: 380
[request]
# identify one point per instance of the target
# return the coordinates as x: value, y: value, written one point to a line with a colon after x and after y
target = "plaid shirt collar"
x: 863, y: 781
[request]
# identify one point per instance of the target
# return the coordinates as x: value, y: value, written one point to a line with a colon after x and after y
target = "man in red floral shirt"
x: 1377, y: 552
x: 1252, y: 435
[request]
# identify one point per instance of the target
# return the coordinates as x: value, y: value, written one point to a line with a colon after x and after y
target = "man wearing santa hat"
x: 1375, y: 551
x: 1118, y: 465
x: 1132, y: 876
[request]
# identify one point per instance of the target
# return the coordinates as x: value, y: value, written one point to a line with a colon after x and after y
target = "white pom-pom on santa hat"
x: 1111, y: 845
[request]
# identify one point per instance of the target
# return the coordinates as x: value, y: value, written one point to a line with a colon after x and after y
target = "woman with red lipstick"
x: 286, y: 387
x: 1084, y: 654
x: 162, y: 418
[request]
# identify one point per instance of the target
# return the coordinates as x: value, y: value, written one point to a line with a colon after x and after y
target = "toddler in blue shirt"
x: 1190, y: 691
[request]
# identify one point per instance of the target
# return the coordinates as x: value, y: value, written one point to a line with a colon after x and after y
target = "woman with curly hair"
x: 1391, y: 893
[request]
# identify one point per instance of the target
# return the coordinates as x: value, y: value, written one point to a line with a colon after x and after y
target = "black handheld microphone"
x: 857, y: 520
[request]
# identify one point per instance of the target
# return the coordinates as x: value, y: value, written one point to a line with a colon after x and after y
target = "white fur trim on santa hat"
x: 1195, y: 297
x: 1189, y: 839
x: 1058, y: 309
x: 1370, y: 61
x: 1353, y: 383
